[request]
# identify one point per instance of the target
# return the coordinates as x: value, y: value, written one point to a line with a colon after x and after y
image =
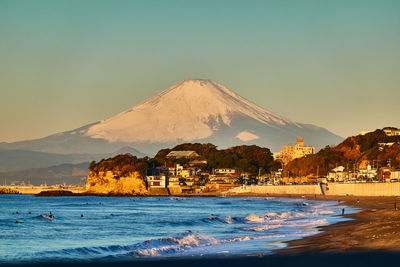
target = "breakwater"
x: 332, y: 189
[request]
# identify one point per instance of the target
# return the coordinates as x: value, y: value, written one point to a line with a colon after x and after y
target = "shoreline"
x: 375, y: 227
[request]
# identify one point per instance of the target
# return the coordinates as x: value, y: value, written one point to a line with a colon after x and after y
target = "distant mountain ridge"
x: 193, y: 110
x: 15, y: 160
x: 70, y: 174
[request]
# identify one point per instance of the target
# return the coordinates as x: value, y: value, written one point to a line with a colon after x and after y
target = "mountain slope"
x: 189, y: 110
x: 192, y: 110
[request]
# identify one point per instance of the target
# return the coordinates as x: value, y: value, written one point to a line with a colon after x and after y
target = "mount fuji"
x: 193, y: 110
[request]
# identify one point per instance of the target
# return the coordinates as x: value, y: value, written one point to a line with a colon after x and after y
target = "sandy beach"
x: 376, y: 227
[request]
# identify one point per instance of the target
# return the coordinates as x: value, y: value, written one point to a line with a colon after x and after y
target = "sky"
x: 65, y: 64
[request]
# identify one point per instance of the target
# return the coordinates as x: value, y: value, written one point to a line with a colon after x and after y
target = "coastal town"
x: 192, y: 176
x: 182, y: 171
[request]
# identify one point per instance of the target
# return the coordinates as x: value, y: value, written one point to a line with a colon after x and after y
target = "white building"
x: 337, y: 174
x: 368, y: 172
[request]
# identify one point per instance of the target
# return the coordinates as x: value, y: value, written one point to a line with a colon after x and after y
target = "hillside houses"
x: 191, y: 179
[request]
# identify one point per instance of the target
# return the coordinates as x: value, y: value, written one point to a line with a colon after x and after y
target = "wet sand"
x: 376, y: 227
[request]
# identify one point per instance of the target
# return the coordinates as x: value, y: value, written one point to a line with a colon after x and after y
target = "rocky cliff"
x: 110, y: 182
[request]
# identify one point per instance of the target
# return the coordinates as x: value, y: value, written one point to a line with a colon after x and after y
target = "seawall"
x: 332, y: 189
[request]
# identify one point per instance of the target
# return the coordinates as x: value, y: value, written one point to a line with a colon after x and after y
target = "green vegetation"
x: 124, y: 165
x: 245, y: 158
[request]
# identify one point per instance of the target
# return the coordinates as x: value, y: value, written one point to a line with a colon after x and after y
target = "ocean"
x: 123, y: 228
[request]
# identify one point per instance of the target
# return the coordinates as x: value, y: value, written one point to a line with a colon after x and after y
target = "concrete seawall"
x: 356, y: 189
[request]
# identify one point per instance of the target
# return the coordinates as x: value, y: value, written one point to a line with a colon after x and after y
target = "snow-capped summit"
x: 193, y: 110
x: 189, y: 110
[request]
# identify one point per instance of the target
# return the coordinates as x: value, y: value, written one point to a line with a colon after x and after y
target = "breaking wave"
x: 172, y: 227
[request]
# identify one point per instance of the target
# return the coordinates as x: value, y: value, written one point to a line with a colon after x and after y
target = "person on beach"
x: 343, y: 211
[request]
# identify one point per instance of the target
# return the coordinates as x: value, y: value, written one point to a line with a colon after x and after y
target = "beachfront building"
x: 157, y: 181
x: 299, y: 150
x: 367, y: 173
x: 337, y: 174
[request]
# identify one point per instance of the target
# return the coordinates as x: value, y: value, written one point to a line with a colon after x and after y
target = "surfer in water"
x: 50, y: 217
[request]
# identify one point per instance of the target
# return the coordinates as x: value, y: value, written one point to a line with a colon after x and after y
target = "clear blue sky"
x: 64, y: 64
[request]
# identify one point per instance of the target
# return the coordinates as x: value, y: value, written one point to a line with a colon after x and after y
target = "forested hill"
x: 244, y: 158
x: 354, y: 150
